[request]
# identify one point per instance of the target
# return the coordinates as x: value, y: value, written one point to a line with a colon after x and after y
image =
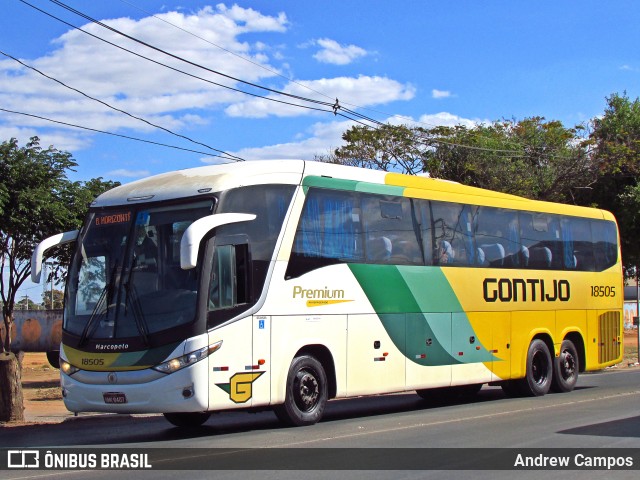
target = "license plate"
x: 114, y: 397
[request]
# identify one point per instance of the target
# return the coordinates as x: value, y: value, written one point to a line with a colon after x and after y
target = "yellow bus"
x: 283, y: 284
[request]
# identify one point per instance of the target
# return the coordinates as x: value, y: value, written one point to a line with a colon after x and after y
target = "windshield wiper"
x: 101, y: 308
x: 131, y: 297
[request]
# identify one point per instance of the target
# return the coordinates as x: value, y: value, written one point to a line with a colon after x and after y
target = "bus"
x: 283, y: 284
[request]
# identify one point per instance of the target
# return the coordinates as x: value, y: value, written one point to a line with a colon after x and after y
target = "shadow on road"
x: 127, y: 429
x: 625, y: 427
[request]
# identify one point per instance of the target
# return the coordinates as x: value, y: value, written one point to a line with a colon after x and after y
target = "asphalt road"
x: 602, y: 412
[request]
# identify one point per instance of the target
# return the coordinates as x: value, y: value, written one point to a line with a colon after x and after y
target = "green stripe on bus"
x: 429, y: 301
x: 352, y: 185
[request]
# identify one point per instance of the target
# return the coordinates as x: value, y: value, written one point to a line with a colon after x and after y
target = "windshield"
x: 125, y: 280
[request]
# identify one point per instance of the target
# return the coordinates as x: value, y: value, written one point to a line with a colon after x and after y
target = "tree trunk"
x: 11, y: 400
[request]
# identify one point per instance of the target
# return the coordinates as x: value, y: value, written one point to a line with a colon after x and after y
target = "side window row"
x: 341, y: 227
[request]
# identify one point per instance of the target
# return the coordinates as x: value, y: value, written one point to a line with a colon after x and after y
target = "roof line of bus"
x: 214, y: 178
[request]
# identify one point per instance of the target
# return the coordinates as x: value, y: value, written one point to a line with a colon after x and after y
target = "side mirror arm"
x: 43, y: 246
x: 193, y: 235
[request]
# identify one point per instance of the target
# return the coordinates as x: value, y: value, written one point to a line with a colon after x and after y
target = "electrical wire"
x: 182, y: 59
x: 170, y: 67
x: 335, y: 108
x: 117, y: 109
x: 348, y: 113
x: 270, y: 70
x: 116, y: 134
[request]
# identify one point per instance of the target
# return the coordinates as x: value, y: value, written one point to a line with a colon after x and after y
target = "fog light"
x: 187, y: 392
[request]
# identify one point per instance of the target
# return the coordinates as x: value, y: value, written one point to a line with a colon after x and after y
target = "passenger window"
x: 390, y: 230
x: 498, y: 239
x: 452, y: 227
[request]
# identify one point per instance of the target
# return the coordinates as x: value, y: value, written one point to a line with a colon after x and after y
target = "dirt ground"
x: 41, y: 382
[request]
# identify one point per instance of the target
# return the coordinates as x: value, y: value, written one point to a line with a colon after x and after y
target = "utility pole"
x: 637, y: 319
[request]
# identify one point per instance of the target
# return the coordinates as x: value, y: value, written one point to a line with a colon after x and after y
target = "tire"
x: 537, y: 381
x: 306, y: 394
x: 187, y: 419
x: 565, y: 368
x: 53, y: 357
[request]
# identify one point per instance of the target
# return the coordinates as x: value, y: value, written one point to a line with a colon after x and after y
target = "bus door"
x: 232, y: 368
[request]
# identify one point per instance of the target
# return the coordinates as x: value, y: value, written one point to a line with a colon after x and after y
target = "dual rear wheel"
x: 545, y: 372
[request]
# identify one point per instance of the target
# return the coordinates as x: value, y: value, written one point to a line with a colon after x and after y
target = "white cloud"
x: 123, y: 172
x: 448, y: 120
x: 362, y: 91
x: 334, y: 53
x: 133, y: 84
x: 440, y: 93
x: 323, y: 138
x: 319, y: 139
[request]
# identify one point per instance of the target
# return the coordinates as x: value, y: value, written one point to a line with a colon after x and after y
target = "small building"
x: 630, y: 306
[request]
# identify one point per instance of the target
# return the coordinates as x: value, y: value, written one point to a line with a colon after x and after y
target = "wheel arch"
x: 324, y: 356
x: 547, y: 339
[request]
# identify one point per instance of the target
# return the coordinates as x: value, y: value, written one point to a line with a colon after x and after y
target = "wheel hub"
x: 308, y: 390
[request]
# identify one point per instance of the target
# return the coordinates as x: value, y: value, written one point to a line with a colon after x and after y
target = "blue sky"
x: 411, y: 61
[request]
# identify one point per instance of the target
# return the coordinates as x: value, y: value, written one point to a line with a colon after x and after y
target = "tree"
x: 616, y: 136
x: 37, y: 200
x: 56, y: 295
x: 25, y: 303
x: 388, y: 148
x: 533, y: 158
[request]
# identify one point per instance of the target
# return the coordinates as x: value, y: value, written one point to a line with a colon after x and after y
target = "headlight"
x: 179, y: 363
x: 67, y: 368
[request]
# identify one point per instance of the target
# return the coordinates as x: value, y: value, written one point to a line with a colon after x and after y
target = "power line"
x: 182, y: 59
x: 270, y: 70
x: 115, y: 134
x: 169, y: 66
x: 335, y: 108
x: 115, y: 108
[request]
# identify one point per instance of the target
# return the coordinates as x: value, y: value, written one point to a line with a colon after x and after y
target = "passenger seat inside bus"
x: 379, y: 250
x: 540, y: 257
x: 493, y: 254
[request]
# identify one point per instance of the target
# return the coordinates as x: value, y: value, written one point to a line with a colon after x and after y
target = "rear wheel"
x: 537, y: 382
x: 187, y: 419
x: 306, y: 395
x: 565, y: 368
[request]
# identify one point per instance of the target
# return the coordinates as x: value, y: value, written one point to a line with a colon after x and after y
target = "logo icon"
x: 240, y: 386
x: 23, y: 459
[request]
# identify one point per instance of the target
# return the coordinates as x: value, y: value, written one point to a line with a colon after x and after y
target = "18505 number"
x: 603, y: 291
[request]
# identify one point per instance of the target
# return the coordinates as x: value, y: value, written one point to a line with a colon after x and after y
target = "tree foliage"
x: 56, y: 295
x: 37, y: 200
x: 616, y: 136
x: 388, y: 148
x: 533, y: 158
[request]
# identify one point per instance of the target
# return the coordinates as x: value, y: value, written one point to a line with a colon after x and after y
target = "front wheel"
x: 539, y: 370
x: 187, y: 419
x: 306, y: 395
x: 565, y: 368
